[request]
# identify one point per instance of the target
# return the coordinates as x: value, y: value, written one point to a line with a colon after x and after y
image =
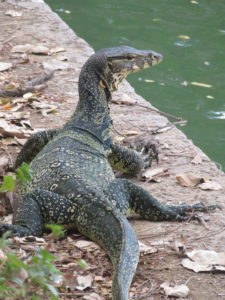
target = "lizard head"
x: 123, y: 60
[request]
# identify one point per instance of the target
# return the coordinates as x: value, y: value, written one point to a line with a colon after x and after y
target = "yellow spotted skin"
x: 73, y: 181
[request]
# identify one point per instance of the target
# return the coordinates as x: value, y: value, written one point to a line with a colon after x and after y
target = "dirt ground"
x: 32, y: 22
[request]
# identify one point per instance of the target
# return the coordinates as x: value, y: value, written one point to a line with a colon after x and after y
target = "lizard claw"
x: 149, y: 150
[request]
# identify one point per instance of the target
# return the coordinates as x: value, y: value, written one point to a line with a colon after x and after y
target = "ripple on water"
x: 216, y: 114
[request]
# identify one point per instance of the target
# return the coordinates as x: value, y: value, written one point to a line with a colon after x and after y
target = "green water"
x: 199, y: 56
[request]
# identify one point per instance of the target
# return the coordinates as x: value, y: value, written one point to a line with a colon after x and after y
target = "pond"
x: 190, y: 81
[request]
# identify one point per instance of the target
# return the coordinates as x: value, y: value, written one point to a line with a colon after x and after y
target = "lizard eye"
x: 129, y: 57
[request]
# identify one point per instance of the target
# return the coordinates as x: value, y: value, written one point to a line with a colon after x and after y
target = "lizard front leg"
x: 34, y: 145
x: 127, y: 160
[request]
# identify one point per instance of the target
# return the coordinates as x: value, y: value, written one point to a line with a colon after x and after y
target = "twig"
x: 154, y: 131
x: 156, y: 291
x: 150, y: 108
x: 31, y: 85
x: 8, y: 40
x: 159, y: 112
x: 209, y: 235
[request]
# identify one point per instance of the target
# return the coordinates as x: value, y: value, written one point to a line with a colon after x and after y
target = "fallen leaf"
x: 210, y: 185
x: 84, y: 282
x: 5, y: 66
x: 149, y: 80
x: 82, y: 244
x: 188, y: 180
x: 92, y: 296
x: 183, y: 37
x: 13, y: 130
x: 124, y: 99
x: 201, y: 84
x: 197, y: 159
x: 55, y: 64
x: 7, y: 106
x: 210, y: 97
x: 176, y: 290
x: 28, y: 48
x: 13, y: 13
x: 145, y: 249
x: 129, y: 132
x: 204, y: 260
x: 150, y: 173
x: 29, y: 96
x: 62, y: 57
x: 46, y: 108
x: 57, y: 50
x: 4, y: 160
x: 19, y: 115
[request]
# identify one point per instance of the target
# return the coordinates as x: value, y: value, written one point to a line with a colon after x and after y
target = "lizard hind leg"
x: 38, y: 208
x: 150, y: 208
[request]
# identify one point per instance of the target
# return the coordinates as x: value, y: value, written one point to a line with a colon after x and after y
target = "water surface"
x: 191, y: 37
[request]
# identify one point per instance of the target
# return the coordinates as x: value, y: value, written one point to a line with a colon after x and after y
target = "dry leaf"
x: 28, y: 48
x: 84, y: 282
x: 55, y: 64
x: 201, y: 84
x: 92, y: 296
x: 57, y: 50
x: 210, y: 185
x: 129, y: 132
x: 82, y: 244
x: 197, y: 159
x: 45, y: 107
x: 124, y: 99
x: 13, y: 13
x: 183, y: 37
x: 29, y: 96
x: 16, y: 116
x: 4, y: 160
x: 145, y: 249
x: 188, y: 180
x: 175, y: 291
x: 149, y: 80
x: 5, y: 66
x: 204, y: 261
x: 150, y: 173
x: 13, y: 130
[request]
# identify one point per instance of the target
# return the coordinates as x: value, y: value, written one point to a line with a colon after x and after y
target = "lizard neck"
x: 92, y: 113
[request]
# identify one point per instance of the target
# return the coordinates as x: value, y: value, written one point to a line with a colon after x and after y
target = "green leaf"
x: 16, y: 262
x: 24, y: 173
x: 57, y: 230
x: 8, y: 183
x: 82, y: 263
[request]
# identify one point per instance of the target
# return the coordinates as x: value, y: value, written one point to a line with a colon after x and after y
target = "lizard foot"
x: 15, y: 230
x: 188, y: 212
x: 148, y: 148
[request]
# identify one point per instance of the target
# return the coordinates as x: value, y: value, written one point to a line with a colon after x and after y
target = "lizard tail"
x: 111, y: 230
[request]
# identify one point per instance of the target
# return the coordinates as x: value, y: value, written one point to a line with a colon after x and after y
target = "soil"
x: 39, y: 25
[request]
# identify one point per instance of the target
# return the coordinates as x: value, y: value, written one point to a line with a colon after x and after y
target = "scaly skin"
x: 73, y: 181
